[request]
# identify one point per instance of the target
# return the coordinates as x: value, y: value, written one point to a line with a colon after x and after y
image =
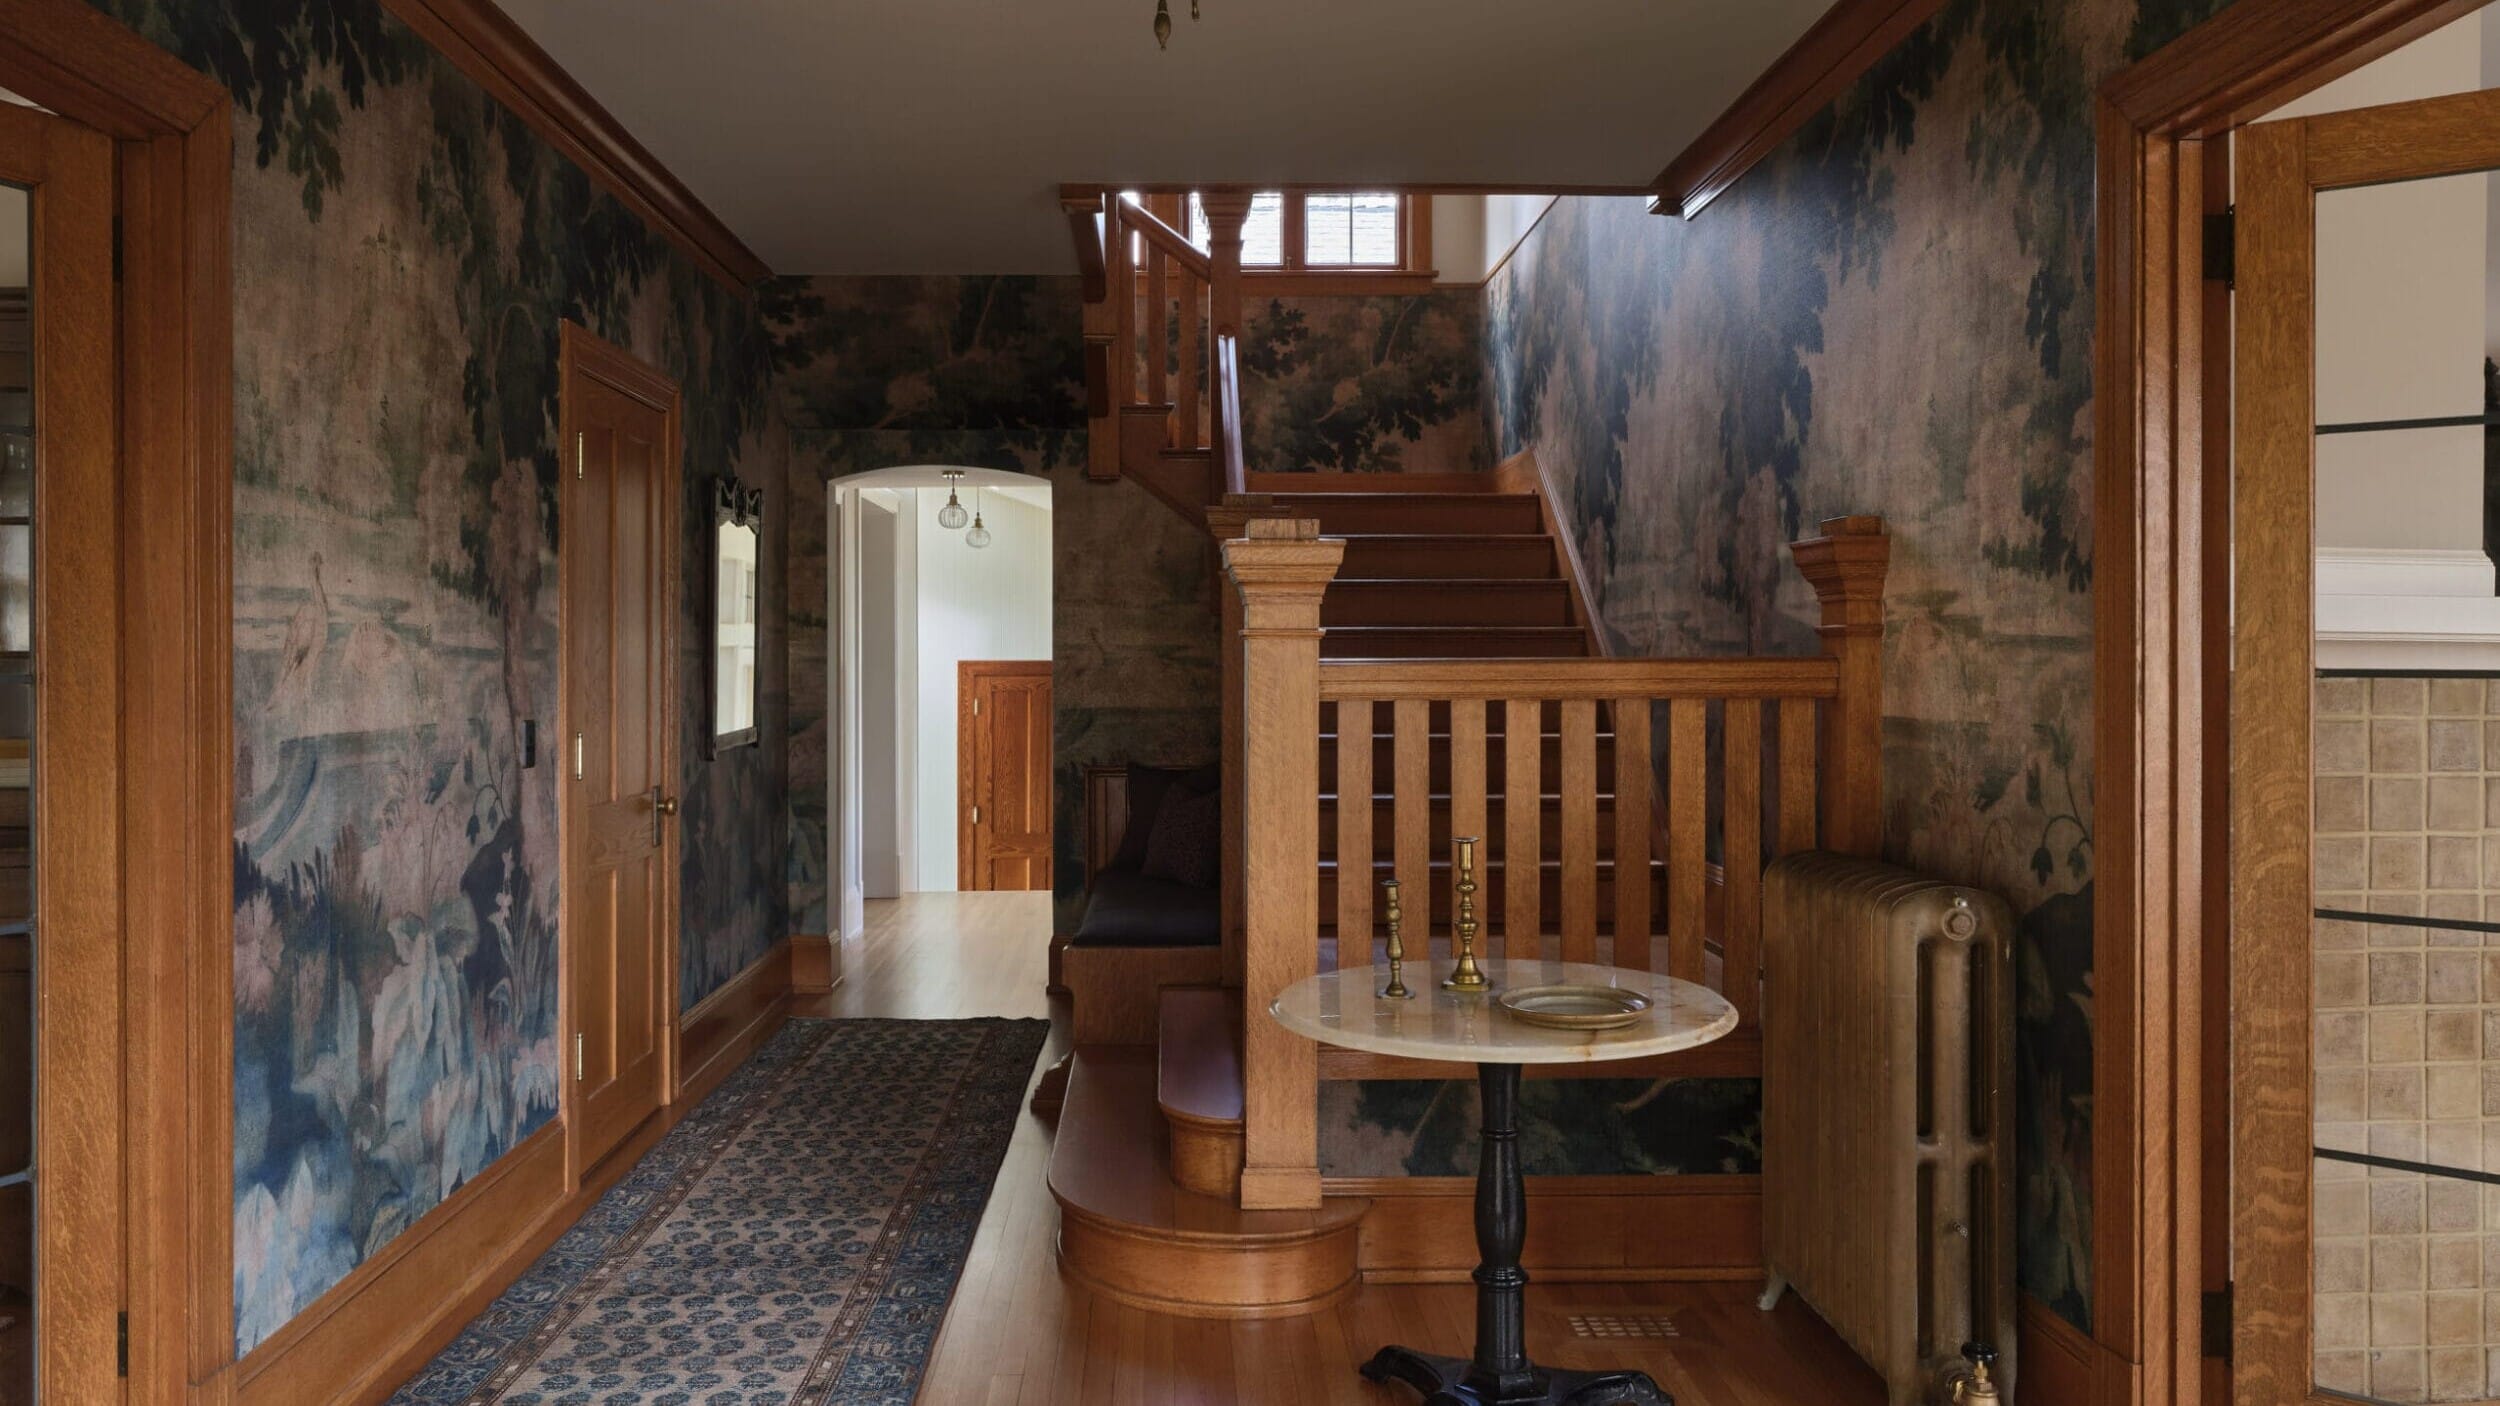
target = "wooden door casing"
x: 77, y: 1039
x: 2280, y: 168
x: 1003, y: 775
x: 618, y: 743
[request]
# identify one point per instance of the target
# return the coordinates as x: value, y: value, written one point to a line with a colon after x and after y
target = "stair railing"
x: 1786, y: 747
x: 1162, y: 323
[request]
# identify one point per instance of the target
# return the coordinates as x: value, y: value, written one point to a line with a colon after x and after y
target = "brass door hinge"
x: 577, y: 1056
x: 577, y: 756
x: 578, y: 451
x: 976, y: 815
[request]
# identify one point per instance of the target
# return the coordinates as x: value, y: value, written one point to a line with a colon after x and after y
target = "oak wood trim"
x: 1850, y: 37
x: 578, y: 349
x: 1598, y: 680
x: 2057, y: 1363
x: 484, y: 43
x: 815, y: 964
x: 2159, y: 764
x: 1522, y: 473
x: 172, y: 124
x: 722, y: 1029
x: 1421, y: 1230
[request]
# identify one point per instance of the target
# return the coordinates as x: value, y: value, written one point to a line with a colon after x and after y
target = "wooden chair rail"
x: 1603, y: 680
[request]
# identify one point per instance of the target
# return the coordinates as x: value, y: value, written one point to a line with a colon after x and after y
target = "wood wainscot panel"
x: 725, y: 1027
x: 1423, y: 1230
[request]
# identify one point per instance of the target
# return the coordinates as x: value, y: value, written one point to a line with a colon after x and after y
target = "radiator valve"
x: 1974, y: 1384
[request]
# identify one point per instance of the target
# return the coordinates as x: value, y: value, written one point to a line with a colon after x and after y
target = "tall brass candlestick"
x: 1396, y: 990
x: 1466, y: 976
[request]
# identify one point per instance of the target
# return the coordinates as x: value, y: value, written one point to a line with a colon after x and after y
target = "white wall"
x: 1473, y: 234
x: 989, y: 604
x: 887, y: 619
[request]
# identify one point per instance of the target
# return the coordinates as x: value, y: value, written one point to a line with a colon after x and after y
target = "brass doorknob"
x: 665, y: 805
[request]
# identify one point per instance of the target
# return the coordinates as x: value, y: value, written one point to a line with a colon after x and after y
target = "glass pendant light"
x: 979, y: 536
x: 952, y: 515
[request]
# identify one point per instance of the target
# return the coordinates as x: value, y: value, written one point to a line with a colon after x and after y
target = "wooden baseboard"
x: 2058, y: 1364
x: 725, y: 1027
x: 815, y: 964
x: 1580, y: 1229
x: 350, y: 1344
x: 356, y: 1343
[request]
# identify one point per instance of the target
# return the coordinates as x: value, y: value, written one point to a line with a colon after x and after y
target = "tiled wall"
x: 2408, y: 1037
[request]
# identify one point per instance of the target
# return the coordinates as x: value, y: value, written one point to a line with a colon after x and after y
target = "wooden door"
x: 2324, y: 985
x: 1003, y: 774
x: 61, y: 850
x: 619, y: 544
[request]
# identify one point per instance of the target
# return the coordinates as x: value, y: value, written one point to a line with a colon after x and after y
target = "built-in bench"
x: 1138, y: 931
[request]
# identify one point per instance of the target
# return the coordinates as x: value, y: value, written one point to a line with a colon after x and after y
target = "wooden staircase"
x: 1455, y: 633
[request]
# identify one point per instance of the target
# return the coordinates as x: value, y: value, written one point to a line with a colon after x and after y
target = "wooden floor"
x: 1017, y: 1336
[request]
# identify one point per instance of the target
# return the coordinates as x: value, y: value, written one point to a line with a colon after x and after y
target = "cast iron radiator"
x: 1887, y: 1111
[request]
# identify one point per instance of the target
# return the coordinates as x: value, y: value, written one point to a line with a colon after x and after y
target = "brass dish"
x: 1574, y: 1007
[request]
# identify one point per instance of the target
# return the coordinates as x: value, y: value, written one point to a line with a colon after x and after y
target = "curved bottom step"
x: 1128, y: 1233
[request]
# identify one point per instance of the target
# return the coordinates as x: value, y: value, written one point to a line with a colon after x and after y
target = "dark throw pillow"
x: 1147, y: 788
x: 1187, y: 840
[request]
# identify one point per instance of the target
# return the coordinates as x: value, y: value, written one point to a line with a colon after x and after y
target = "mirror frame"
x: 733, y: 505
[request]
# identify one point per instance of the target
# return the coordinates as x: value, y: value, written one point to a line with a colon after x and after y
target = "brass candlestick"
x: 1466, y: 976
x: 1396, y: 989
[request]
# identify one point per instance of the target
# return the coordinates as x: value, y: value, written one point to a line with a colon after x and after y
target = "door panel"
x: 1005, y: 775
x: 618, y: 533
x: 2364, y: 838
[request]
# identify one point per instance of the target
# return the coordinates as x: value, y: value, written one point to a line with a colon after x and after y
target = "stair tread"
x: 1109, y: 1162
x: 1198, y: 1055
x: 1543, y: 585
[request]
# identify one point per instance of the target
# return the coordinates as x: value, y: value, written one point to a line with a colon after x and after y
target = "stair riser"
x: 1530, y: 559
x: 1420, y: 515
x: 1363, y: 603
x: 1206, y: 1160
x: 1557, y: 643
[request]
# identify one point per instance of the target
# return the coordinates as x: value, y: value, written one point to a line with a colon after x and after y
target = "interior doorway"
x: 618, y: 808
x: 933, y: 566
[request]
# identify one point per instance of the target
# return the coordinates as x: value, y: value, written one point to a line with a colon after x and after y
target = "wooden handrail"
x: 1172, y: 242
x: 1228, y: 427
x: 1601, y: 680
x: 1085, y: 225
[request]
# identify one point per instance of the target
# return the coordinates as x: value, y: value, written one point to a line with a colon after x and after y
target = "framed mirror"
x: 737, y: 628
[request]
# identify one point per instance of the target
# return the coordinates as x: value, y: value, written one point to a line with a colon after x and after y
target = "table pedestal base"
x: 1445, y: 1381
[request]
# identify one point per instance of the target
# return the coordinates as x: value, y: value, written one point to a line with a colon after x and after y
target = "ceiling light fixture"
x: 952, y: 515
x: 979, y: 536
x: 1163, y: 21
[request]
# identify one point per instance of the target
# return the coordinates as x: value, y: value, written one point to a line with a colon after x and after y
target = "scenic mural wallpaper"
x: 1364, y: 385
x: 1891, y: 315
x: 404, y: 253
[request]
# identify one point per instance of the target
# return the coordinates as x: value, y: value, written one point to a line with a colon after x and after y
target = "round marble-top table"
x: 1344, y: 1007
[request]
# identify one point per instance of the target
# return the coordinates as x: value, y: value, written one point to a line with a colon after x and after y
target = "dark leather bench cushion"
x: 1128, y: 909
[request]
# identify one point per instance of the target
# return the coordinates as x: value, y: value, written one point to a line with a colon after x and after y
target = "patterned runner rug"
x: 795, y: 1240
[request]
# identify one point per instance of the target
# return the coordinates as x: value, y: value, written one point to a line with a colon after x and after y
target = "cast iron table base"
x: 1500, y: 1373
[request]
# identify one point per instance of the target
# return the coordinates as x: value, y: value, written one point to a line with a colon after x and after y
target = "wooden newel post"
x: 1280, y: 568
x: 1226, y: 210
x: 1845, y: 565
x: 1090, y: 217
x: 1226, y: 522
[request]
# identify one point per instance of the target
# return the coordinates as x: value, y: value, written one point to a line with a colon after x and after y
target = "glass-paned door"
x: 2365, y: 758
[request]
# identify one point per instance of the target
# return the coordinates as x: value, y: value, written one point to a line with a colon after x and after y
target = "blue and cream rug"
x: 793, y: 1241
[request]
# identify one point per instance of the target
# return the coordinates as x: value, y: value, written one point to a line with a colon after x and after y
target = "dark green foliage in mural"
x: 290, y: 65
x: 1353, y: 385
x: 1567, y: 1127
x: 931, y: 356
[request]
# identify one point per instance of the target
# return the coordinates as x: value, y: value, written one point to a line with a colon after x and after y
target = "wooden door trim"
x: 2160, y: 585
x: 967, y: 673
x: 581, y: 350
x: 172, y: 125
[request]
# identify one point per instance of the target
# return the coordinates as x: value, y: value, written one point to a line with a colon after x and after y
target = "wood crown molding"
x: 1827, y: 58
x: 484, y: 43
